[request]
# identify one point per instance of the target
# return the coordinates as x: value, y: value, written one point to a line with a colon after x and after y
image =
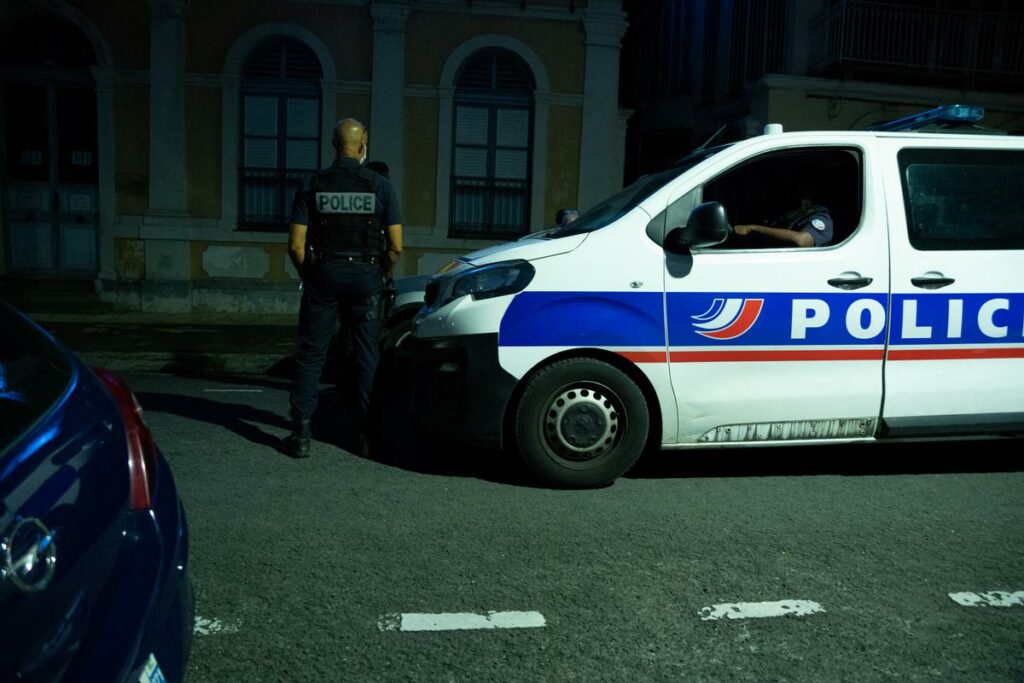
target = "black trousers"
x: 337, y: 288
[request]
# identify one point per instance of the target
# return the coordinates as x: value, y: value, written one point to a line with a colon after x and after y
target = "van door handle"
x: 931, y: 281
x: 850, y: 282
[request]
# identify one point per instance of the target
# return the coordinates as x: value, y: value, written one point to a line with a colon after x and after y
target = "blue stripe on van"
x: 724, y: 319
x: 584, y: 319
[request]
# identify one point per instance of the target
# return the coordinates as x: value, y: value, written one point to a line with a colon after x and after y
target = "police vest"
x: 343, y: 212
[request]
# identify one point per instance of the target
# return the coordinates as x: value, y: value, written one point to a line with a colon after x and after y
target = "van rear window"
x: 959, y: 199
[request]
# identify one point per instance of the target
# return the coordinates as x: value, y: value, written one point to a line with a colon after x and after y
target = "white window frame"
x: 231, y: 104
x: 446, y: 112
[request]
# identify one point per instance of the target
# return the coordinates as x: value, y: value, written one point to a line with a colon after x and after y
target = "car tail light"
x: 141, y: 447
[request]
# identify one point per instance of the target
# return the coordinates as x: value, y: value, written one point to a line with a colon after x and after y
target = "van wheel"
x: 581, y: 423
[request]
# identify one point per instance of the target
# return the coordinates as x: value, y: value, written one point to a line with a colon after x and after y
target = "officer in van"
x: 807, y: 225
x: 349, y: 215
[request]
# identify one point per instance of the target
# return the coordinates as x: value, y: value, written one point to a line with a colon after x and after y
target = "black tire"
x: 581, y: 423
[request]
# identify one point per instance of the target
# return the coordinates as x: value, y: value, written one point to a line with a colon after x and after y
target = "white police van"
x: 649, y: 323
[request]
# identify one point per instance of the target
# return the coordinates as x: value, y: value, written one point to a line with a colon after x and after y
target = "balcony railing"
x: 489, y: 208
x: 973, y: 46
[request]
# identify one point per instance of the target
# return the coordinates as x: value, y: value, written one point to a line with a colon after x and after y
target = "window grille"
x: 280, y: 141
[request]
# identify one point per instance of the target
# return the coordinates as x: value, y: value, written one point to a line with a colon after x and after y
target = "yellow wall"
x: 203, y: 151
x: 419, y: 181
x: 563, y: 172
x: 131, y: 126
x: 214, y: 26
x: 355, y: 107
x: 432, y: 37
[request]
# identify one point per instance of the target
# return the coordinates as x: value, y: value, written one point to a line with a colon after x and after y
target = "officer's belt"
x: 354, y: 256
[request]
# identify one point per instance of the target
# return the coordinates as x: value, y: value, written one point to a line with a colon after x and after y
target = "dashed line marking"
x: 459, y: 621
x: 760, y: 610
x: 990, y: 599
x: 209, y: 627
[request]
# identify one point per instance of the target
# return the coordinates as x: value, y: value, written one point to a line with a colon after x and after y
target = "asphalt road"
x: 317, y: 570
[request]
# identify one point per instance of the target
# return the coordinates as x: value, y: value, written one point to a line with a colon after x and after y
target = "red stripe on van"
x: 645, y: 356
x: 954, y: 354
x: 741, y: 356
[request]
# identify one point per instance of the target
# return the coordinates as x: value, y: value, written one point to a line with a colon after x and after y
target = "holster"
x: 311, y: 262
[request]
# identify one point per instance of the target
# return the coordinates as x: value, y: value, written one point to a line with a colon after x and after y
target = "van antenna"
x: 708, y: 141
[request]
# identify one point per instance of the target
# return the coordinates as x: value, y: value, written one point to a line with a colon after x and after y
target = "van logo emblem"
x: 728, y: 318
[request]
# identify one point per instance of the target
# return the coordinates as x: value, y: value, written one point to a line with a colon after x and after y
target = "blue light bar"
x: 946, y: 114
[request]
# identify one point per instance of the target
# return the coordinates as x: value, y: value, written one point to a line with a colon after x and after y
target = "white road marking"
x: 760, y: 610
x: 459, y: 621
x: 209, y: 627
x: 990, y: 599
x: 234, y: 391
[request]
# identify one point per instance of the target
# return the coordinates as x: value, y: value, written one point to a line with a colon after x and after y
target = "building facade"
x: 153, y: 149
x: 694, y: 69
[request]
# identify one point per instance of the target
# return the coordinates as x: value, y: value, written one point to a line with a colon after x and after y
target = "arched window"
x: 492, y: 141
x: 280, y: 126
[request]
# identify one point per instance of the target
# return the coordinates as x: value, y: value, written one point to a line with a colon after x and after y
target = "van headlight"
x: 492, y: 280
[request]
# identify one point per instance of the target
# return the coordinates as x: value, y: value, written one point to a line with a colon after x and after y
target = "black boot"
x: 297, y: 443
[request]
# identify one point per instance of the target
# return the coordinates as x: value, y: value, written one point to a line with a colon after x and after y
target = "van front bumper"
x: 460, y: 391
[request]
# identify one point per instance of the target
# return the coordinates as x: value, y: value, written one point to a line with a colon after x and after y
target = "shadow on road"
x: 399, y: 443
x: 945, y: 457
x: 232, y: 416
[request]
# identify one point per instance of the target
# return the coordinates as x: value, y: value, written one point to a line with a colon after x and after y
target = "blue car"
x: 94, y: 583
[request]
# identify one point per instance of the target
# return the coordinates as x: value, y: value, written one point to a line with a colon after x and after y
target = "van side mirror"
x: 706, y: 227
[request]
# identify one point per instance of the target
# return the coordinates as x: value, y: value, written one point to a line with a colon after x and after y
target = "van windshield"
x: 621, y: 203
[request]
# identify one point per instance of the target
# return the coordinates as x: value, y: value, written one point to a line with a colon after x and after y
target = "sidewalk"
x: 189, y: 344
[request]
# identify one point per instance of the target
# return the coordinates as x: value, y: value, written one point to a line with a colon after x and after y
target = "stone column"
x: 387, y: 98
x: 445, y: 114
x: 604, y: 23
x: 167, y: 174
x: 105, y: 161
x: 229, y: 182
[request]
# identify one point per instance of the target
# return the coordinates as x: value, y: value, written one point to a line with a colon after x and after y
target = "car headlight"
x: 492, y: 280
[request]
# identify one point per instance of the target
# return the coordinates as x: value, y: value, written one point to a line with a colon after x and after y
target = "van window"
x: 621, y: 203
x: 957, y: 199
x: 768, y: 190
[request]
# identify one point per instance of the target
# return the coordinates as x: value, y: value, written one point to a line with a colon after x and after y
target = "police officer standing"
x: 345, y: 236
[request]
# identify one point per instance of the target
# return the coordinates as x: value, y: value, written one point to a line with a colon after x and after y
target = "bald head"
x: 350, y: 138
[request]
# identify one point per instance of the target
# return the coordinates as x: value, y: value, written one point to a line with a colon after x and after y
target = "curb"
x: 188, y: 363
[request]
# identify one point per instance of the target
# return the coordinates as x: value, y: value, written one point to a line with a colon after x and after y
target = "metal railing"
x: 489, y: 208
x: 267, y: 195
x: 980, y: 44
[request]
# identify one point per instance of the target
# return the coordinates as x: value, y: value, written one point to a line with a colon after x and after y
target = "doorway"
x: 50, y: 178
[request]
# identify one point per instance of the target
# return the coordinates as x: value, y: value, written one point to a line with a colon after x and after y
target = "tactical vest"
x: 343, y: 213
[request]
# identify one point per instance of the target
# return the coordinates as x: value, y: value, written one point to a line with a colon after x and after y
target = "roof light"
x: 949, y: 114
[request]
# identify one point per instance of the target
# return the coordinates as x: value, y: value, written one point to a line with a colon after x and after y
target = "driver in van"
x: 807, y: 225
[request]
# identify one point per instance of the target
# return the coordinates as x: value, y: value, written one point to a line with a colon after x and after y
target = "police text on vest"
x: 346, y: 202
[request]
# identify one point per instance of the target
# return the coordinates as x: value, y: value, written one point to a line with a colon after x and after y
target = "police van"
x: 650, y: 324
